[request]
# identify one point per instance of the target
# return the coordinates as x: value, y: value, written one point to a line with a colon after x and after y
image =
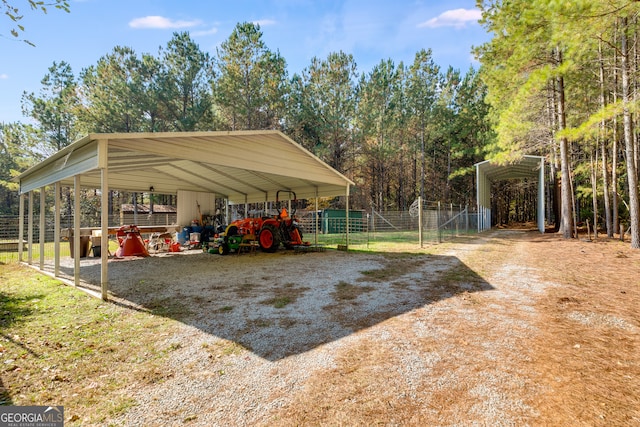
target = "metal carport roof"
x: 488, y: 172
x: 242, y: 166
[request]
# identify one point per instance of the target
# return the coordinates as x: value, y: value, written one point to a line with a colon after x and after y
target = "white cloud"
x: 4, y: 76
x: 457, y: 18
x: 161, y: 22
x: 202, y: 33
x: 265, y: 22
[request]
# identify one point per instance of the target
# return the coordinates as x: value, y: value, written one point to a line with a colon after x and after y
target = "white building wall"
x: 187, y: 206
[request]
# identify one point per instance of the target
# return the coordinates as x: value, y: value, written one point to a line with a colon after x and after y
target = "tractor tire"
x: 231, y: 230
x: 269, y: 238
x: 223, y: 249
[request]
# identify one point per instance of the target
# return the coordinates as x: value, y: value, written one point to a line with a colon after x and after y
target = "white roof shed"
x: 488, y: 172
x: 241, y: 166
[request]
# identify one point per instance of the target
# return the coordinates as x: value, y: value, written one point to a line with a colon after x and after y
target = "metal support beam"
x: 347, y: 215
x: 316, y: 219
x: 104, y: 239
x: 541, y: 197
x: 30, y: 231
x: 76, y: 230
x: 42, y: 226
x: 21, y: 228
x: 56, y: 230
x: 420, y: 221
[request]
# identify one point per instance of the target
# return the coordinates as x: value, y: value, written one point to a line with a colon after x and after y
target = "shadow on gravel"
x: 283, y: 304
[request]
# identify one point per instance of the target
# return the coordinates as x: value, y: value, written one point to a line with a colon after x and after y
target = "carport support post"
x: 316, y: 219
x: 347, y: 215
x: 478, y: 197
x: 56, y: 230
x: 104, y: 234
x: 264, y: 204
x: 30, y: 230
x: 21, y: 228
x: 42, y: 227
x: 479, y: 203
x: 76, y: 230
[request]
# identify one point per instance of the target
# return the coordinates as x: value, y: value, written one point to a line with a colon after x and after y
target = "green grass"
x: 385, y: 241
x: 278, y: 302
x: 7, y: 257
x: 62, y: 347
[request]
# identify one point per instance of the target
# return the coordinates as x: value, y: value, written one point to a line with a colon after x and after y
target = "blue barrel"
x: 183, y: 236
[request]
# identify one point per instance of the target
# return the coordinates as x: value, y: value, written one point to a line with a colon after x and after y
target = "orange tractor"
x: 269, y: 232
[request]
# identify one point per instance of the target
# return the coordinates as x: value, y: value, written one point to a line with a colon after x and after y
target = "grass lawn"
x: 59, y: 346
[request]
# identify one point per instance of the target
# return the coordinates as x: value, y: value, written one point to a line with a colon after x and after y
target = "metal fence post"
x: 420, y: 220
x: 466, y: 219
x: 438, y: 224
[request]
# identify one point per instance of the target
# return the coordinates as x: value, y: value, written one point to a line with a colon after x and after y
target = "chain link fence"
x: 368, y: 230
x: 373, y: 230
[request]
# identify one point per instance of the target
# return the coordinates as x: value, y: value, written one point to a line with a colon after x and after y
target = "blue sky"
x: 371, y: 30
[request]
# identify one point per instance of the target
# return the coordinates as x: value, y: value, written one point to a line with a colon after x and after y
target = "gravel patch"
x: 240, y: 360
x: 601, y: 320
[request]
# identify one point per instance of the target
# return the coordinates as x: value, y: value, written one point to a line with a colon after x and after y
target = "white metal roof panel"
x: 243, y: 166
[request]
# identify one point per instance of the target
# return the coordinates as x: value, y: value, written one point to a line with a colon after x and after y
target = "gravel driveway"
x: 439, y: 337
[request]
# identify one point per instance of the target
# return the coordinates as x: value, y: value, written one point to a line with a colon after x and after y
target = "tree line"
x: 562, y: 81
x: 557, y: 79
x: 398, y: 131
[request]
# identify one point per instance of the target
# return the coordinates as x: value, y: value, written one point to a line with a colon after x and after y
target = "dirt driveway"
x: 506, y: 328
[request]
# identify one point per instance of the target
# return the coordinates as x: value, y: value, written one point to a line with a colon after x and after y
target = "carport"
x: 488, y: 172
x: 240, y: 166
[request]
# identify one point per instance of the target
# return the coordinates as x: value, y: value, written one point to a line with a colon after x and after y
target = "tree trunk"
x: 566, y: 225
x: 632, y: 177
x: 603, y: 131
x: 614, y: 150
x: 553, y: 162
x: 594, y: 190
x: 422, y: 161
x: 605, y: 189
x: 633, y: 69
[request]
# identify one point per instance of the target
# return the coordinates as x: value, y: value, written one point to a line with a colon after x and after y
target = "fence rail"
x: 370, y: 230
